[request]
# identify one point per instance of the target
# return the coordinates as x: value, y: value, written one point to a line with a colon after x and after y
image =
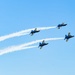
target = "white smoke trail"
x: 44, y: 28
x: 26, y: 45
x: 13, y: 49
x: 37, y: 41
x: 2, y: 38
x: 23, y: 32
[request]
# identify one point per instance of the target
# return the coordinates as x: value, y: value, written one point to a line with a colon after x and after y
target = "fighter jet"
x: 42, y: 44
x: 61, y: 25
x: 34, y: 31
x: 67, y: 37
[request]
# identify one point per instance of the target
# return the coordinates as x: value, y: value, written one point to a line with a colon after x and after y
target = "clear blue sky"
x: 58, y: 58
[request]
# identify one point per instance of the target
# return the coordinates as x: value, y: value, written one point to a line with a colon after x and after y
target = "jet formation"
x: 41, y: 44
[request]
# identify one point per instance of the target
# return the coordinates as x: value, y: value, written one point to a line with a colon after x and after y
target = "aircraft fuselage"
x: 61, y: 25
x: 35, y: 31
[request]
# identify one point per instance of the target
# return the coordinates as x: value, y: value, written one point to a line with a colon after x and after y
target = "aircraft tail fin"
x: 65, y: 37
x: 31, y: 34
x: 58, y: 27
x: 40, y: 47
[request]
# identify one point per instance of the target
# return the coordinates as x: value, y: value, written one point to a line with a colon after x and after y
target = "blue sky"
x: 58, y: 58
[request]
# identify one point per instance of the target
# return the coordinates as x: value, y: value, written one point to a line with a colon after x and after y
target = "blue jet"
x: 67, y: 37
x: 42, y: 44
x: 61, y: 25
x: 34, y: 31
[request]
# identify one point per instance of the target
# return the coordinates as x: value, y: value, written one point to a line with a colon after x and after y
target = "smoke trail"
x: 13, y: 49
x: 44, y: 28
x: 2, y: 38
x: 37, y: 41
x: 23, y: 32
x: 26, y: 45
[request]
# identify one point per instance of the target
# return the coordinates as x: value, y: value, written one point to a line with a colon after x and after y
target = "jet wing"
x: 66, y: 40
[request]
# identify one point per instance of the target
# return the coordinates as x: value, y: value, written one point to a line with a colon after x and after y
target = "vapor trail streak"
x: 25, y: 46
x: 23, y: 32
x: 37, y: 41
x: 13, y: 49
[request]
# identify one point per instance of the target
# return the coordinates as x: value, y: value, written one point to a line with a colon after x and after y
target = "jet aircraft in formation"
x: 61, y: 25
x: 67, y: 37
x: 42, y: 44
x: 34, y: 31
